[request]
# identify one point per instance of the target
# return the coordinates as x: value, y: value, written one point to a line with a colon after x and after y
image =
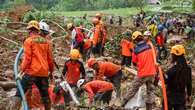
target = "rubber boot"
x: 15, y: 103
x: 148, y: 106
x: 48, y: 106
x: 47, y: 103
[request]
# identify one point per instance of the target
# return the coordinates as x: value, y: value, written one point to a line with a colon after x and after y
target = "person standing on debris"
x: 36, y: 64
x: 103, y: 31
x: 153, y: 28
x: 143, y: 58
x: 107, y: 70
x: 98, y: 37
x: 127, y: 49
x: 73, y: 71
x: 111, y: 20
x: 160, y: 41
x: 97, y: 90
x: 77, y: 37
x: 178, y: 79
x: 120, y: 20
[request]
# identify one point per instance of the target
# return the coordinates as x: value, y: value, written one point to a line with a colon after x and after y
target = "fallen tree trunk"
x: 7, y: 85
x: 3, y: 79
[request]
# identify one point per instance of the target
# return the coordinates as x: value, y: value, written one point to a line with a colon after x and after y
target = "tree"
x: 193, y: 5
x: 42, y: 4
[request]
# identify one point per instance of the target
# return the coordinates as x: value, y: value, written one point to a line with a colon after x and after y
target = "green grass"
x: 128, y: 11
x: 120, y: 11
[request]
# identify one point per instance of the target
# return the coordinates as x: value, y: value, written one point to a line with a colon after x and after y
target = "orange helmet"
x: 74, y: 54
x: 95, y: 21
x: 91, y: 62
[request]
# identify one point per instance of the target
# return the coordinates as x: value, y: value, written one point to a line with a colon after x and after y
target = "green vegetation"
x: 193, y: 5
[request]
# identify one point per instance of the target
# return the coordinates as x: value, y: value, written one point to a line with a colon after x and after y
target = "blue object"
x: 19, y: 85
x: 160, y: 27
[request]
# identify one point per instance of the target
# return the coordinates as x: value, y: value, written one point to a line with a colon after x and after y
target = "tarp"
x: 138, y: 100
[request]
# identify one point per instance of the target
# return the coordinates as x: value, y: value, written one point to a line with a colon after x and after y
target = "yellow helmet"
x: 74, y: 54
x: 69, y: 25
x: 99, y: 15
x: 178, y: 50
x: 136, y: 34
x: 33, y: 24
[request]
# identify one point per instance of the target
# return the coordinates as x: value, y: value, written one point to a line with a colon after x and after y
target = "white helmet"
x: 44, y: 26
x: 80, y: 83
x: 147, y: 33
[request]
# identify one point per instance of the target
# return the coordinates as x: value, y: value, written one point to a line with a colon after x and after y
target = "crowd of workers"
x: 138, y: 50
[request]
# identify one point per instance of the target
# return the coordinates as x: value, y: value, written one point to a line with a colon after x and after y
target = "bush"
x: 37, y: 15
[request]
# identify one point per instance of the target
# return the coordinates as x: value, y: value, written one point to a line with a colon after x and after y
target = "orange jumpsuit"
x: 37, y: 60
x: 107, y: 69
x: 97, y: 86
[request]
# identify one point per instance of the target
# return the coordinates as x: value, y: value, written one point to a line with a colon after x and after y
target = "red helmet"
x: 91, y: 62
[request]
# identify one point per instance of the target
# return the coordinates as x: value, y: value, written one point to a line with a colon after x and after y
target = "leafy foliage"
x: 42, y: 4
x: 37, y: 15
x: 193, y: 5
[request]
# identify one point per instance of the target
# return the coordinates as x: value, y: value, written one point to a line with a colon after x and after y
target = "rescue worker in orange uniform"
x: 143, y: 58
x: 100, y: 34
x: 73, y: 71
x: 37, y: 65
x: 127, y: 49
x: 97, y: 90
x: 160, y: 41
x: 107, y: 70
x: 77, y: 37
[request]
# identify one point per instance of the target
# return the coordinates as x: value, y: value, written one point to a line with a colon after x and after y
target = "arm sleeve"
x: 82, y: 69
x: 73, y: 34
x: 134, y: 58
x: 64, y: 70
x: 189, y: 83
x: 27, y: 55
x: 100, y: 74
x: 170, y: 74
x: 50, y: 59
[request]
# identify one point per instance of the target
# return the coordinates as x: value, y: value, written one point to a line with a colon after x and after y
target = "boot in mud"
x: 15, y: 103
x: 47, y: 103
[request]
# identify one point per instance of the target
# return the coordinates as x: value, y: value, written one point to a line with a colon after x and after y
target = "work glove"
x: 19, y: 76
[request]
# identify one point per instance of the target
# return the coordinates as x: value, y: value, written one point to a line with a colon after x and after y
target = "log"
x: 7, y: 85
x: 3, y: 79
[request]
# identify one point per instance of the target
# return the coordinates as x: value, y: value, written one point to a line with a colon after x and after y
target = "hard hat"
x: 69, y: 25
x: 178, y: 50
x: 91, y: 62
x: 33, y: 24
x: 74, y: 54
x: 98, y: 15
x: 160, y: 27
x: 44, y: 26
x: 147, y: 33
x: 95, y: 21
x: 80, y: 82
x: 136, y: 34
